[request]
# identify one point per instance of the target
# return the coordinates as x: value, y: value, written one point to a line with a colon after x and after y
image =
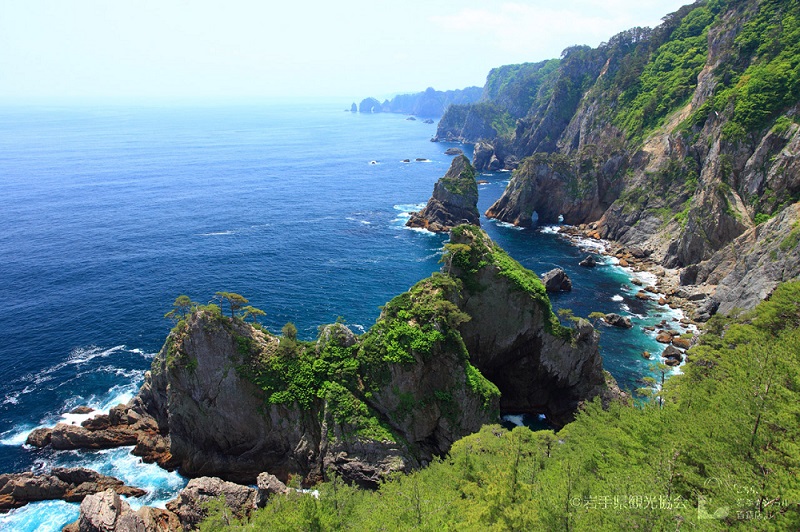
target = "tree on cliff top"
x: 235, y: 301
x: 182, y: 306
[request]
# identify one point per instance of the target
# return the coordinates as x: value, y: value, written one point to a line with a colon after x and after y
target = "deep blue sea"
x: 107, y: 214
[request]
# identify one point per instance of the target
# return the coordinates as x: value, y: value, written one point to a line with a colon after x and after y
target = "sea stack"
x: 454, y: 200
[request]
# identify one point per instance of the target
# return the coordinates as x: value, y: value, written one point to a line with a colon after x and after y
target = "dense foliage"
x: 720, y: 453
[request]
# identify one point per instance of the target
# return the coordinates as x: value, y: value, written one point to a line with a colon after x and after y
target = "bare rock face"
x: 557, y: 280
x: 190, y: 504
x: 454, y: 200
x: 748, y: 269
x: 107, y: 512
x: 268, y: 486
x: 514, y: 338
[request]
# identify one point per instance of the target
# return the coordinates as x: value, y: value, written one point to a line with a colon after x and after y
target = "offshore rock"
x: 454, y: 200
x: 615, y: 320
x: 557, y: 280
x: 369, y: 105
x: 588, y: 262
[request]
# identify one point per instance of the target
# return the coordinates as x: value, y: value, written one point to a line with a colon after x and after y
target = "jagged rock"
x: 268, y: 485
x: 664, y: 337
x: 683, y: 343
x: 454, y: 151
x: 482, y: 156
x: 190, y: 504
x: 673, y: 353
x: 646, y: 355
x: 557, y: 280
x: 642, y: 295
x: 338, y: 333
x: 699, y: 296
x: 411, y: 118
x: 107, y: 512
x: 427, y: 121
x: 454, y: 200
x: 536, y: 372
x: 615, y: 320
x: 66, y: 437
x: 588, y: 262
x: 749, y: 268
x: 71, y: 485
x: 40, y: 437
x: 706, y: 309
x: 81, y: 410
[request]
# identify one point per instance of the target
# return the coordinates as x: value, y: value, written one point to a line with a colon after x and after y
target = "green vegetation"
x: 470, y: 259
x: 235, y: 301
x: 792, y: 239
x: 668, y: 79
x: 720, y: 453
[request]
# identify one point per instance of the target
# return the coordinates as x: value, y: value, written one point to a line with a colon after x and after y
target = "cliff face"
x: 454, y: 200
x: 233, y: 400
x: 514, y: 338
x: 677, y: 140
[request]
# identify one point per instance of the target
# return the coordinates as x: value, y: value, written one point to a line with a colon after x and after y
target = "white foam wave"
x: 625, y: 307
x: 421, y: 230
x: 617, y: 298
x: 44, y: 516
x: 549, y: 229
x: 217, y: 233
x: 11, y: 398
x: 409, y: 207
x: 16, y: 436
x: 516, y: 419
x: 500, y: 223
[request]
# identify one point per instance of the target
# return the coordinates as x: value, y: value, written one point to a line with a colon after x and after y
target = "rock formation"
x: 557, y: 280
x: 681, y: 161
x: 71, y: 485
x: 515, y: 339
x: 369, y: 105
x: 229, y: 400
x: 454, y: 200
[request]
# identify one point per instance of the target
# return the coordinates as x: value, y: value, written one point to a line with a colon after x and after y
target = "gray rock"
x: 557, y: 280
x: 454, y: 200
x: 268, y: 485
x: 588, y: 262
x: 615, y: 320
x: 190, y: 504
x: 454, y: 151
x: 672, y: 352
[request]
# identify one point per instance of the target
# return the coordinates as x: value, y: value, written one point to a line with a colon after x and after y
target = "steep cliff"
x: 235, y: 400
x: 454, y: 200
x: 676, y: 139
x: 430, y: 102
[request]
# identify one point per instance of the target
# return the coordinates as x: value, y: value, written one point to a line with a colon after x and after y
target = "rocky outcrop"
x: 71, y: 485
x: 228, y: 400
x: 615, y: 320
x: 515, y: 339
x: 747, y: 270
x: 454, y: 200
x: 191, y: 504
x: 121, y: 426
x: 557, y: 280
x: 369, y: 105
x: 107, y: 512
x: 430, y: 102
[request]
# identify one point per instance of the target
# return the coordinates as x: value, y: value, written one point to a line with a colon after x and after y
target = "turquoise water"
x: 107, y: 214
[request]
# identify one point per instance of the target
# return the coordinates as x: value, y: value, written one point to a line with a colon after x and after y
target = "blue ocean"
x: 108, y: 213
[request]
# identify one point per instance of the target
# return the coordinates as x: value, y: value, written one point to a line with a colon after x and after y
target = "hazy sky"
x: 247, y: 49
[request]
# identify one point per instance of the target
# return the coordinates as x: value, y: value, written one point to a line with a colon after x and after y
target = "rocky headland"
x: 228, y: 399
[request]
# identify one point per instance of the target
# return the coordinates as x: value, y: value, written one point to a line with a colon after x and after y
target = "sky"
x: 242, y: 50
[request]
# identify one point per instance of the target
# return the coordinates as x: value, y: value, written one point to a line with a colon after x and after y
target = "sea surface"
x: 108, y: 213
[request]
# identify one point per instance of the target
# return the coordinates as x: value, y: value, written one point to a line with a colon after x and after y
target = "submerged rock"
x: 454, y: 200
